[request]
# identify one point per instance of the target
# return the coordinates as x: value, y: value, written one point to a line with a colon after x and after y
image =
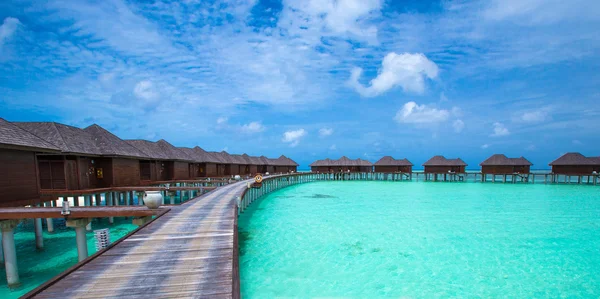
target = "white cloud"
x: 253, y: 127
x: 485, y: 146
x: 7, y: 29
x: 577, y: 142
x: 531, y: 147
x: 411, y: 112
x: 222, y: 120
x: 458, y: 125
x: 534, y: 116
x: 293, y: 137
x: 407, y: 70
x: 332, y: 147
x: 145, y: 90
x: 324, y: 132
x: 500, y: 130
x: 336, y: 16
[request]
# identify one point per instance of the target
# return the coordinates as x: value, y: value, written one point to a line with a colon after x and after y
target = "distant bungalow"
x: 439, y: 164
x: 343, y: 164
x: 575, y: 164
x: 165, y: 161
x: 389, y: 164
x: 500, y: 164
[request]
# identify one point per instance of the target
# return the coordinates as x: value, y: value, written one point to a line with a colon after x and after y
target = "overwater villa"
x: 389, y: 164
x: 500, y: 164
x: 20, y: 184
x: 157, y: 165
x: 575, y: 164
x: 439, y: 164
x: 284, y: 164
x: 74, y: 168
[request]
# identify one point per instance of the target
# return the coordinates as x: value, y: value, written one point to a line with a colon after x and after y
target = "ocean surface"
x: 60, y: 252
x: 422, y: 240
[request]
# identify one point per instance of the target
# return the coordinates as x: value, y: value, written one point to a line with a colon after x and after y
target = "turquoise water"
x: 60, y: 252
x: 422, y: 240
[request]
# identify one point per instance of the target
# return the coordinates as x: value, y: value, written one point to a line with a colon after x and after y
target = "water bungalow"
x: 182, y: 166
x: 73, y: 168
x: 195, y: 166
x: 226, y: 167
x: 154, y: 167
x: 284, y: 164
x: 119, y: 165
x: 253, y: 164
x: 240, y: 166
x: 439, y: 164
x: 20, y: 184
x: 575, y: 164
x: 389, y: 164
x: 266, y: 166
x: 208, y: 163
x: 500, y: 164
x: 321, y: 166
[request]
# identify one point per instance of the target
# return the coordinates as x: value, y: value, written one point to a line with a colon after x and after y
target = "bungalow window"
x: 52, y: 175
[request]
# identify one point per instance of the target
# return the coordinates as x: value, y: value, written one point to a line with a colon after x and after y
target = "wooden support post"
x: 79, y: 225
x: 88, y: 203
x: 10, y: 252
x: 39, y: 236
x: 49, y: 221
x: 109, y: 202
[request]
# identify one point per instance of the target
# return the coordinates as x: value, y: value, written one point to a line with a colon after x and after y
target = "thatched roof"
x: 283, y: 161
x: 317, y: 163
x: 502, y: 160
x: 111, y: 145
x: 390, y: 161
x: 442, y: 161
x: 291, y: 162
x: 13, y: 135
x: 204, y: 156
x: 223, y: 157
x: 151, y: 149
x: 67, y: 138
x: 193, y: 154
x: 252, y: 160
x: 240, y: 160
x: 576, y: 159
x: 172, y: 152
x: 265, y: 160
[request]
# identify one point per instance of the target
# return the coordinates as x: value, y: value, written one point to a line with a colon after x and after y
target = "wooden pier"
x: 187, y: 252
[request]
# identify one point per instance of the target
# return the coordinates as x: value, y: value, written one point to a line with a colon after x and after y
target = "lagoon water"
x: 422, y: 240
x: 60, y: 252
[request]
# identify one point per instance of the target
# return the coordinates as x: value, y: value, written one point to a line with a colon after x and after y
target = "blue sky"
x: 313, y: 79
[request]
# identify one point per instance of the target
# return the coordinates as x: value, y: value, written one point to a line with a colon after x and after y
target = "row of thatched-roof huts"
x: 568, y: 164
x: 37, y: 156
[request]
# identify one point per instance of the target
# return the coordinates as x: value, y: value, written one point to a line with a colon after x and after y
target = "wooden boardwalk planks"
x: 188, y: 252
